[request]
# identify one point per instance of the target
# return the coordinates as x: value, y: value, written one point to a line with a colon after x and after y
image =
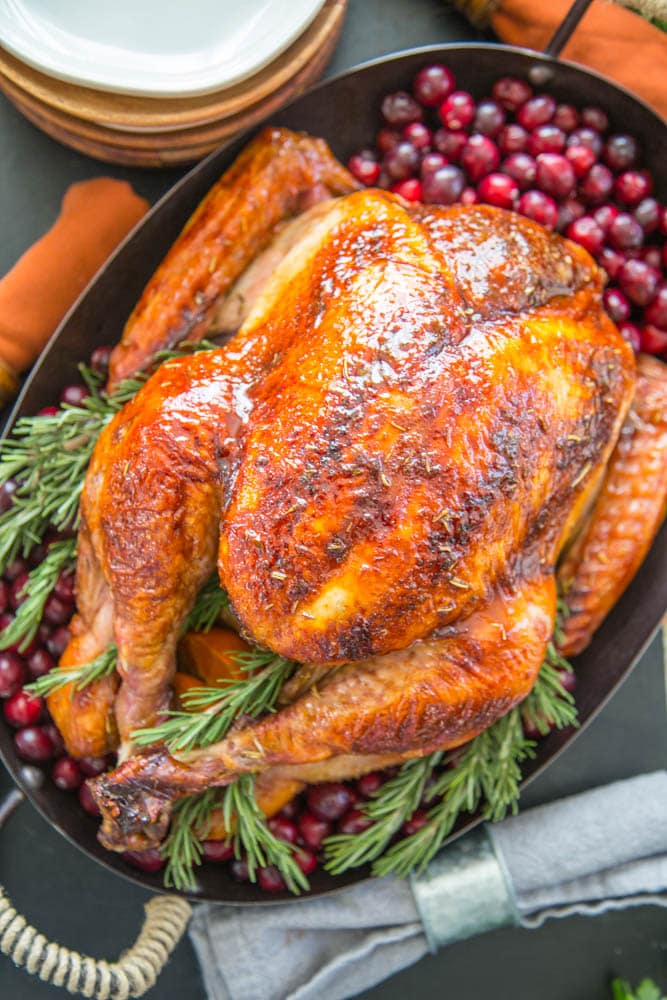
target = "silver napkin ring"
x: 464, y: 891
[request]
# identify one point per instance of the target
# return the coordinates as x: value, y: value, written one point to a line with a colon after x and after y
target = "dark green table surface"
x: 74, y: 901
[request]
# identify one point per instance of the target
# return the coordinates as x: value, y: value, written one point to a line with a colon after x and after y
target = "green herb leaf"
x: 647, y: 990
x: 211, y: 600
x: 182, y: 849
x: 39, y: 585
x: 80, y: 676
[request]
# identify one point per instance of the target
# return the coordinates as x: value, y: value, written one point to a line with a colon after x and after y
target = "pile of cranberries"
x: 556, y: 164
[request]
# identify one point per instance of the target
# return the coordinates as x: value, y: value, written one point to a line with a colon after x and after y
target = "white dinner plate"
x: 152, y: 48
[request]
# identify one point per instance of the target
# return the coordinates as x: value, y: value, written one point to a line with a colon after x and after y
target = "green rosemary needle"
x: 80, y: 676
x: 182, y: 850
x: 212, y: 599
x: 41, y: 581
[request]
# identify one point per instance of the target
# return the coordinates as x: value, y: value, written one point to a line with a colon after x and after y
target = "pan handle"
x: 567, y: 26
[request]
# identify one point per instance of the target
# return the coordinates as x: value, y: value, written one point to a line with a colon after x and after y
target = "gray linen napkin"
x: 600, y: 850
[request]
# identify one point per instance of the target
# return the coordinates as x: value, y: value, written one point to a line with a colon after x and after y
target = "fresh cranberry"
x: 56, y: 643
x: 458, y: 110
x: 354, y: 821
x: 663, y: 220
x: 568, y: 211
x: 594, y: 118
x: 531, y: 729
x: 586, y: 232
x: 489, y: 119
x: 64, y: 588
x: 387, y: 138
x: 291, y: 809
x: 400, y: 108
x: 37, y: 555
x: 74, y: 395
x: 55, y: 737
x: 647, y: 214
x: 410, y: 189
x: 92, y: 766
x: 17, y: 592
x: 620, y: 152
x: 652, y: 256
x: 39, y: 662
x: 443, y: 186
x: 23, y: 709
x: 57, y: 612
x: 330, y: 800
x: 582, y: 159
x: 15, y: 568
x: 511, y: 92
x: 4, y: 595
x: 449, y: 143
x: 48, y: 411
x: 566, y: 117
x: 33, y: 743
x: 568, y: 680
x: 419, y: 135
x: 625, y: 233
x: 630, y: 332
x: 418, y: 819
x: 433, y: 84
x: 306, y: 860
x: 597, y: 185
x: 146, y: 861
x: 217, y: 851
x: 522, y: 168
x: 369, y: 783
x: 611, y: 260
x: 512, y: 139
x: 469, y: 196
x: 67, y: 774
x: 100, y: 358
x: 540, y: 207
x: 402, y: 161
x: 616, y: 304
x: 656, y: 312
x: 499, y: 190
x: 364, y: 169
x: 546, y: 139
x: 284, y: 829
x: 87, y: 801
x: 431, y: 162
x: 537, y: 111
x: 312, y: 829
x: 12, y: 674
x: 239, y: 870
x: 639, y: 281
x: 555, y: 175
x: 604, y: 216
x: 270, y: 879
x: 479, y: 157
x: 586, y: 137
x: 664, y: 257
x: 653, y: 340
x: 633, y: 185
x: 7, y: 491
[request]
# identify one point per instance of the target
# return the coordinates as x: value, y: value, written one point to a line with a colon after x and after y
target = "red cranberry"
x: 620, y: 152
x: 57, y: 642
x: 630, y: 332
x: 313, y: 830
x: 64, y: 588
x: 489, y: 118
x: 270, y: 879
x: 582, y: 159
x: 433, y: 84
x: 653, y: 340
x: 7, y: 491
x: 387, y: 138
x: 594, y: 118
x: 647, y: 214
x: 625, y: 233
x: 499, y: 190
x: 4, y: 595
x: 239, y: 870
x: 329, y: 800
x: 402, y: 161
x: 540, y: 207
x: 48, y: 411
x: 511, y: 92
x: 15, y: 568
x: 66, y: 774
x: 291, y: 809
x: 12, y: 674
x: 100, y: 358
x: 56, y: 738
x: 639, y: 281
x: 664, y: 257
x: 531, y: 729
x: 34, y: 744
x: 566, y: 117
x: 418, y: 134
x: 555, y: 175
x: 611, y: 260
x: 17, y: 592
x: 479, y: 157
x: 284, y: 829
x: 521, y: 168
x: 568, y: 680
x: 468, y: 196
x: 546, y: 139
x: 217, y: 851
x: 458, y: 110
x: 92, y: 766
x: 616, y: 304
x: 663, y: 220
x: 37, y: 555
x: 306, y: 860
x: 604, y: 216
x: 365, y: 170
x: 656, y: 312
x: 536, y: 111
x: 354, y: 821
x: 586, y: 232
x: 418, y: 819
x: 512, y: 139
x: 568, y: 212
x: 652, y: 256
x: 443, y: 186
x: 87, y: 801
x: 57, y: 612
x: 410, y: 189
x: 146, y: 861
x: 431, y: 162
x: 400, y: 109
x: 23, y: 709
x: 585, y: 137
x: 449, y: 143
x: 74, y: 395
x: 597, y: 185
x: 39, y: 663
x: 369, y: 783
x: 633, y: 185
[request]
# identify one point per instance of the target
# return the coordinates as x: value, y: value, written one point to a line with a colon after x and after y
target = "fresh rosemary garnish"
x: 80, y: 676
x: 182, y: 850
x: 211, y: 600
x: 41, y: 581
x: 210, y: 711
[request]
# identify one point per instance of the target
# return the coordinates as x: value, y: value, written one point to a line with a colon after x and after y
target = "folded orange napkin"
x: 37, y: 292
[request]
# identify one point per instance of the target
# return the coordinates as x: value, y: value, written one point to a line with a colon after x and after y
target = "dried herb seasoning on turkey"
x: 421, y: 425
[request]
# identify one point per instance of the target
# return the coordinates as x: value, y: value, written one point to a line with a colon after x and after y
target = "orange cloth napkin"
x: 37, y: 292
x: 613, y: 41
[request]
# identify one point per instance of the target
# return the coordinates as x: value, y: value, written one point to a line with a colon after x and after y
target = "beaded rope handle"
x: 131, y: 976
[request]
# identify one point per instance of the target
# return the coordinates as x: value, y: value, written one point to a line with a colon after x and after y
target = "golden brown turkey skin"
x: 626, y: 516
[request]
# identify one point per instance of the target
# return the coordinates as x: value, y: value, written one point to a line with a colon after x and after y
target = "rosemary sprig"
x: 80, y: 676
x: 41, y: 581
x: 212, y: 599
x: 212, y: 710
x: 182, y: 849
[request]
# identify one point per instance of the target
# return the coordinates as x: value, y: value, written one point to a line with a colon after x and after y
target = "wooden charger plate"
x: 150, y: 114
x: 169, y: 147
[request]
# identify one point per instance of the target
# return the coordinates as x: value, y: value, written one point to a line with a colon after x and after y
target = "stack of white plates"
x: 153, y: 83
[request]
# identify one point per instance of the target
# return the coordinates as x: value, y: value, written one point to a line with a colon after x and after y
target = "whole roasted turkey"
x: 410, y: 422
